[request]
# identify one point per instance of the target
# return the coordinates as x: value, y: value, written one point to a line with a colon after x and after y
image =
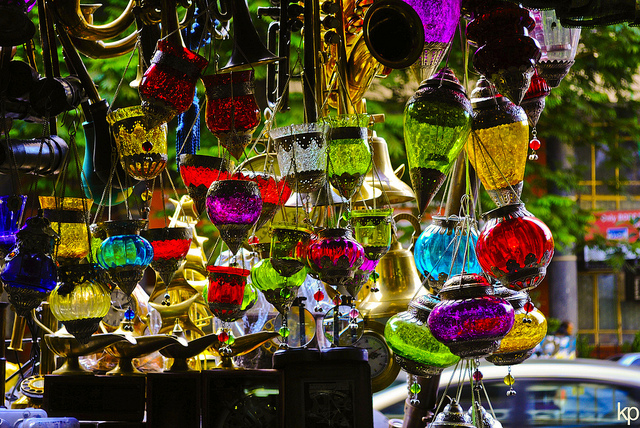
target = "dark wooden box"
x: 173, y: 400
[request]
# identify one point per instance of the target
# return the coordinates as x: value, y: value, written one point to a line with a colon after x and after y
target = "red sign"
x: 616, y: 225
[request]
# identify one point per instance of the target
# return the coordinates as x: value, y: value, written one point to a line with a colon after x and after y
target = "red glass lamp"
x: 226, y: 291
x: 170, y: 248
x: 335, y: 256
x: 515, y: 247
x: 274, y: 192
x: 198, y: 172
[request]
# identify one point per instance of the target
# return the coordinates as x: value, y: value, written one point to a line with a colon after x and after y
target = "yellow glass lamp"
x: 498, y: 144
x: 68, y: 219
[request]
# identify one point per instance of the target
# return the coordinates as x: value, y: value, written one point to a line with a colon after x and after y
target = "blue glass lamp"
x: 11, y: 209
x: 124, y: 254
x: 30, y: 272
x: 444, y: 248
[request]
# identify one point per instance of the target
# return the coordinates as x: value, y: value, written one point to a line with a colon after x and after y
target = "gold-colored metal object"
x: 178, y: 312
x: 70, y: 15
x: 386, y: 368
x: 242, y: 345
x: 399, y: 281
x: 383, y: 177
x: 181, y: 354
x: 65, y: 345
x: 47, y: 359
x: 17, y: 333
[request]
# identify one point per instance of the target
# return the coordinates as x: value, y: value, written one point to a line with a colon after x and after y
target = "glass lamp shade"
x: 498, y: 145
x: 302, y: 155
x: 470, y: 319
x: 29, y: 272
x: 289, y: 245
x: 534, y: 100
x: 80, y: 300
x: 232, y: 112
x: 515, y: 247
x: 279, y: 290
x: 68, y: 218
x: 11, y: 210
x: 168, y: 86
x: 361, y: 276
x: 372, y: 229
x: 414, y: 347
x: 445, y: 248
x: 335, y: 256
x: 274, y: 193
x: 198, y: 172
x: 234, y: 206
x: 124, y: 254
x: 559, y: 45
x: 141, y: 145
x: 437, y: 122
x: 506, y: 55
x: 349, y: 152
x: 170, y: 248
x: 529, y: 329
x: 226, y: 291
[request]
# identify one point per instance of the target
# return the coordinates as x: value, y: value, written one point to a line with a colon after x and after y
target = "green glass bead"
x: 415, y: 388
x: 509, y: 380
x: 231, y: 340
x: 284, y: 332
x: 285, y: 293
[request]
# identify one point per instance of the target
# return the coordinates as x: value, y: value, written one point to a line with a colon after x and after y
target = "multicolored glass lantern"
x: 142, y: 147
x: 170, y: 248
x: 124, y: 254
x: 274, y: 193
x: 529, y: 328
x: 437, y: 122
x: 198, y: 172
x: 226, y: 291
x: 11, y: 209
x: 279, y: 290
x: 69, y: 217
x: 506, y: 54
x: 29, y: 272
x: 232, y: 111
x: 168, y: 86
x: 234, y: 206
x: 497, y: 146
x: 302, y: 155
x: 470, y: 319
x: 559, y: 46
x: 335, y: 256
x: 349, y: 152
x: 515, y: 247
x: 445, y: 248
x: 372, y: 229
x: 289, y: 245
x: 80, y: 300
x: 414, y: 347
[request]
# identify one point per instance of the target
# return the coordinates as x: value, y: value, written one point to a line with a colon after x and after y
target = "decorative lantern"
x: 289, y: 244
x: 233, y: 207
x: 168, y: 86
x: 497, y: 146
x: 361, y: 276
x: 198, y: 172
x: 274, y: 193
x: 170, y: 248
x: 124, y: 254
x: 142, y: 146
x: 302, y: 155
x: 534, y: 100
x: 335, y: 256
x: 470, y: 319
x: 68, y: 217
x: 279, y: 290
x: 30, y: 273
x: 11, y: 209
x: 506, y: 55
x: 372, y: 229
x: 515, y: 247
x: 414, y: 347
x: 349, y: 152
x: 445, y: 248
x: 529, y: 328
x: 80, y: 300
x: 232, y: 111
x: 437, y: 121
x: 559, y: 45
x: 226, y: 291
x: 453, y: 415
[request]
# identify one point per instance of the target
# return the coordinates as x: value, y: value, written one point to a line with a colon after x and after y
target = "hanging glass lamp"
x: 69, y: 217
x: 11, y: 210
x: 198, y: 172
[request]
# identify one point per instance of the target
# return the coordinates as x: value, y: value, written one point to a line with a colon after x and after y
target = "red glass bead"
x: 223, y: 336
x: 534, y: 144
x: 528, y: 307
x: 318, y: 296
x: 353, y: 313
x: 337, y: 301
x: 477, y: 376
x: 254, y: 240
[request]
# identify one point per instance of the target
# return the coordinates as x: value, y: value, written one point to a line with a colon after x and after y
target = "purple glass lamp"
x: 470, y: 319
x: 335, y: 256
x: 234, y: 206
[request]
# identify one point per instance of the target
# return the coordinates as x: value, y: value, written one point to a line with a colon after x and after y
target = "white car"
x: 559, y: 393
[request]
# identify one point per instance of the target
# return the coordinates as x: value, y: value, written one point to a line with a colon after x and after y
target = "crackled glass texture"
x: 226, y: 285
x: 411, y: 338
x: 440, y: 18
x: 265, y: 277
x: 372, y: 229
x: 335, y: 256
x: 524, y: 335
x: 233, y: 202
x: 74, y: 242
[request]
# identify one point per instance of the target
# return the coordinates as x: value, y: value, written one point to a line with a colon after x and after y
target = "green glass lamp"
x: 279, y: 290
